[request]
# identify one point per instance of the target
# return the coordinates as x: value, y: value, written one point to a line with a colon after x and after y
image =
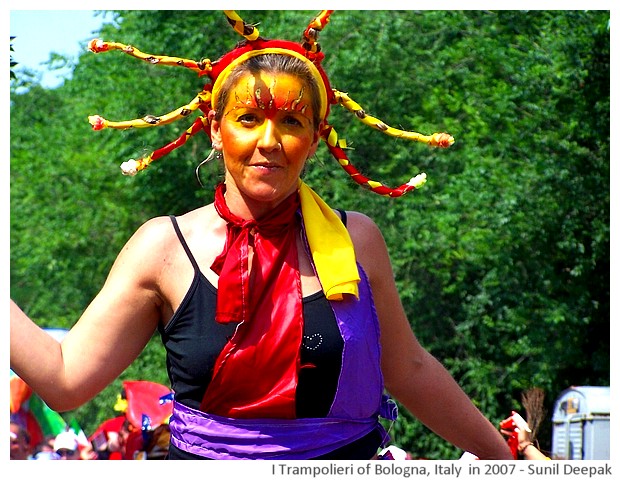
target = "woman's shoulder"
x: 367, y: 240
x: 146, y: 248
x: 362, y: 229
x: 202, y: 231
x: 160, y: 230
x: 155, y: 231
x: 156, y: 244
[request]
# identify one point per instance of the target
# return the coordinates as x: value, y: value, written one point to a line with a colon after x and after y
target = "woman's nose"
x: 269, y: 140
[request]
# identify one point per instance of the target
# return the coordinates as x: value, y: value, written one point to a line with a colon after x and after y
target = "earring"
x: 214, y: 155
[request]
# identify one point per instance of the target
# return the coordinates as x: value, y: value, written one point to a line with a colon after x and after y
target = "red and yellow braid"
x: 201, y: 100
x: 442, y: 140
x: 131, y: 167
x: 203, y: 67
x: 249, y: 32
x: 311, y: 33
x: 336, y: 147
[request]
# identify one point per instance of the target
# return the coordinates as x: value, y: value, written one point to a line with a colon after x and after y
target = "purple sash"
x: 358, y: 402
x: 222, y: 438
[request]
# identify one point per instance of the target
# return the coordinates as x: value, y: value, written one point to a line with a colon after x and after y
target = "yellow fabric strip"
x: 330, y: 245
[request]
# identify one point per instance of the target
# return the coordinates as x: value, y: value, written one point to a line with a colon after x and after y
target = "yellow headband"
x: 253, y: 53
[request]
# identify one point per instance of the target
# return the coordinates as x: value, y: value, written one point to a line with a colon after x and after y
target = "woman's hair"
x: 273, y: 63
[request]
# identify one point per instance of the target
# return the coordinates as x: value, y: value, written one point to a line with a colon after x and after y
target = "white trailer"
x: 581, y: 424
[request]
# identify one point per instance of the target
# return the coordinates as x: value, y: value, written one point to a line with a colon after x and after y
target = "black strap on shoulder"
x: 175, y: 224
x: 343, y: 216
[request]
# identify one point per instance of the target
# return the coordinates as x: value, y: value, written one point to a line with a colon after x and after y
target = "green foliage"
x: 502, y: 258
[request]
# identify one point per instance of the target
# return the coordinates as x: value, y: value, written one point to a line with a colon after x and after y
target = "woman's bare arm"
x: 110, y: 334
x: 412, y: 375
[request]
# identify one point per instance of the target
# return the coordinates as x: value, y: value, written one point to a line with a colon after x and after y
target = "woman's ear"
x: 216, y: 134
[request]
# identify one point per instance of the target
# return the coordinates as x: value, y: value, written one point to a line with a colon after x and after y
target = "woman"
x: 269, y: 307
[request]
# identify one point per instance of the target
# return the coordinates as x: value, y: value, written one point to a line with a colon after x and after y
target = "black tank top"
x: 193, y: 340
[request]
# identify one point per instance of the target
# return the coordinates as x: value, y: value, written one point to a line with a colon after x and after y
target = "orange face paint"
x: 272, y: 93
x: 266, y: 135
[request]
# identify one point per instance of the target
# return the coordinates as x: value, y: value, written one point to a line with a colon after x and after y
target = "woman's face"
x: 266, y: 134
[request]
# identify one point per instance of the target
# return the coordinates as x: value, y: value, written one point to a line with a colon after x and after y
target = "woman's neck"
x: 246, y: 207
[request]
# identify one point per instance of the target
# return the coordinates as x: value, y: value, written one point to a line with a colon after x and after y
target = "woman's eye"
x: 247, y: 119
x: 291, y: 120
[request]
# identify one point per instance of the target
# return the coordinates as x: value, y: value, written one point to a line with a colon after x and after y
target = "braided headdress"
x: 309, y: 51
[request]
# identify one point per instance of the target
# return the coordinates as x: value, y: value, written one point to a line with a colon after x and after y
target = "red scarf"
x: 256, y: 373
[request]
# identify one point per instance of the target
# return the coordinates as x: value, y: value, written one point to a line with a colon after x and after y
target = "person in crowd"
x: 280, y: 316
x: 44, y: 450
x: 66, y: 446
x: 19, y: 442
x: 518, y: 434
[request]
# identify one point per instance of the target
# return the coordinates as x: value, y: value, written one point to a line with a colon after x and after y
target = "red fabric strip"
x: 256, y: 373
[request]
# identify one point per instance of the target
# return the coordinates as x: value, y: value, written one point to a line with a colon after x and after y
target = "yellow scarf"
x: 330, y: 245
